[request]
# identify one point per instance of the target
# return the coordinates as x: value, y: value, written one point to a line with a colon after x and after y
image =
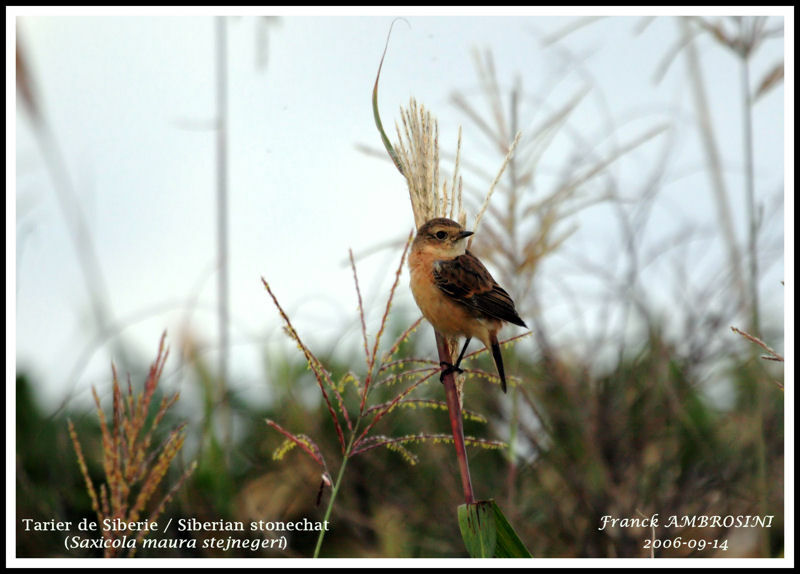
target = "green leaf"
x: 478, y: 530
x: 487, y: 533
x: 508, y: 543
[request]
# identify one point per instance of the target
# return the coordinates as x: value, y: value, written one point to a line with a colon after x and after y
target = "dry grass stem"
x: 494, y: 184
x: 360, y: 305
x: 772, y: 356
x: 320, y: 374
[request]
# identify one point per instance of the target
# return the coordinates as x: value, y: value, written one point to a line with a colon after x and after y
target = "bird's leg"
x: 453, y: 368
x: 461, y: 356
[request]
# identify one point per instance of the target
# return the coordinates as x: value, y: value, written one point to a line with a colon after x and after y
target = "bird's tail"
x: 498, y: 361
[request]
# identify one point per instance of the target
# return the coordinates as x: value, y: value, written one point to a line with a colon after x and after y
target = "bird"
x: 456, y: 293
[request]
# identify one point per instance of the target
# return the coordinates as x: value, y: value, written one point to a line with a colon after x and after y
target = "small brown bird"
x: 455, y: 292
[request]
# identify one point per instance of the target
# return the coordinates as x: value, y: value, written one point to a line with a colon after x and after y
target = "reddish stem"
x: 456, y: 420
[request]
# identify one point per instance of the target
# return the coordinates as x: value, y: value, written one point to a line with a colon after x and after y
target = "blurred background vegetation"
x: 675, y: 414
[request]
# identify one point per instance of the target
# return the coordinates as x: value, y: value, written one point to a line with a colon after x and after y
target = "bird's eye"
x: 441, y: 235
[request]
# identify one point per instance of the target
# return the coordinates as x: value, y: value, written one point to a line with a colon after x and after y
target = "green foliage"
x: 641, y: 436
x: 478, y: 528
x: 487, y: 533
x: 508, y: 543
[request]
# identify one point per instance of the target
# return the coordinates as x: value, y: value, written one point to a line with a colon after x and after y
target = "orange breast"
x: 448, y: 317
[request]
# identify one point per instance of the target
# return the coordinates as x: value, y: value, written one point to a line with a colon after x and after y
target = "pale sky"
x: 130, y: 100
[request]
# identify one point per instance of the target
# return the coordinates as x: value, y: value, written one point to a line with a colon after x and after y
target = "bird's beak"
x: 464, y: 234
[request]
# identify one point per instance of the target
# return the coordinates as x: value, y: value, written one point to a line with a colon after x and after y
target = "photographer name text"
x: 689, y: 521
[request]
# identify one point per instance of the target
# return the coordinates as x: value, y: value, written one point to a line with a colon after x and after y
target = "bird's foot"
x: 447, y: 369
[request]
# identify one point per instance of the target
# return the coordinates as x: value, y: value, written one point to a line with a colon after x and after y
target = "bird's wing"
x: 468, y: 282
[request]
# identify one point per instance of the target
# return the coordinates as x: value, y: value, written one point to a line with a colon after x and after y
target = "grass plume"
x: 134, y: 471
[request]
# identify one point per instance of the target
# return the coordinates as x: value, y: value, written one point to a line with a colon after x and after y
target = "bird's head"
x: 441, y: 237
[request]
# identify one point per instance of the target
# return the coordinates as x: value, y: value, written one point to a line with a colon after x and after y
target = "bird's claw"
x: 450, y: 368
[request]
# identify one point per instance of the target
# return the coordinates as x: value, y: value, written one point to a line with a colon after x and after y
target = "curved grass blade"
x: 508, y: 543
x: 384, y: 138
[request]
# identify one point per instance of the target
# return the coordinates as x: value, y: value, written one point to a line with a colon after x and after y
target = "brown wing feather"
x: 469, y: 283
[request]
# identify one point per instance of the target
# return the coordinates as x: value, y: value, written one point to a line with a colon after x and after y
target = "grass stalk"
x: 456, y: 419
x: 752, y: 243
x: 704, y: 122
x: 335, y: 489
x: 222, y: 225
x: 69, y: 205
x: 749, y: 180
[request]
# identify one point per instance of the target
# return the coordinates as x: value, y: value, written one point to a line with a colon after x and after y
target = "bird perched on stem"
x: 456, y: 293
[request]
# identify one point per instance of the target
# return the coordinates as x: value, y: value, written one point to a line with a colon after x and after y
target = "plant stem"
x: 456, y: 420
x: 754, y: 328
x: 335, y: 490
x: 752, y: 208
x: 222, y: 227
x: 711, y: 150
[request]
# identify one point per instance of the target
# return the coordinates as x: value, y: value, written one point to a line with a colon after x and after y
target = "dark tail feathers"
x: 498, y: 361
